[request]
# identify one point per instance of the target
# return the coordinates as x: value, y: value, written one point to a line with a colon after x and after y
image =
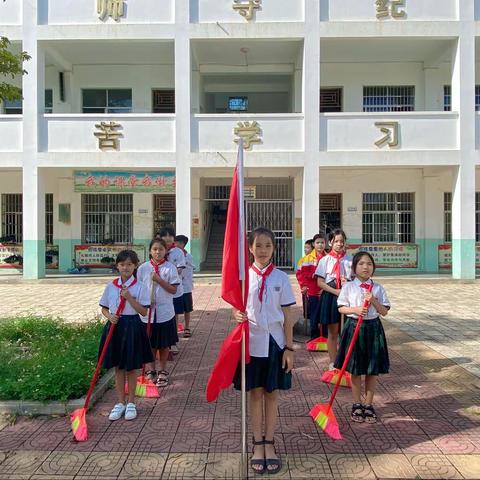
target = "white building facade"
x: 359, y: 114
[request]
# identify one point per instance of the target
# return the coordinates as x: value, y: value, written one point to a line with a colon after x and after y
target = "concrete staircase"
x: 213, y: 260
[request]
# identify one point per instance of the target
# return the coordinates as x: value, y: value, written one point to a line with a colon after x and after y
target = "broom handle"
x: 149, y: 320
x: 348, y: 355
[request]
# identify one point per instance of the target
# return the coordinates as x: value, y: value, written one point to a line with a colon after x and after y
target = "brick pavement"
x: 430, y: 420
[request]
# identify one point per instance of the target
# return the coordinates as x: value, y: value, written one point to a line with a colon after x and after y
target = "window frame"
x: 388, y: 105
x: 107, y: 109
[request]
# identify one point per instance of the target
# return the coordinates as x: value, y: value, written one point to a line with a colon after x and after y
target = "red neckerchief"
x: 171, y: 247
x: 264, y: 276
x: 320, y: 256
x: 123, y: 300
x: 157, y: 265
x: 337, y: 267
x: 366, y: 285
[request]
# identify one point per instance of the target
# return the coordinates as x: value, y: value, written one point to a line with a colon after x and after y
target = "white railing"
x: 361, y: 10
x: 281, y: 132
x: 74, y: 12
x: 11, y: 12
x: 410, y: 130
x: 139, y: 132
x: 212, y: 11
x: 11, y: 133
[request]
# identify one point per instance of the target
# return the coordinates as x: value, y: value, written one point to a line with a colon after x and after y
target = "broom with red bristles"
x: 318, y: 344
x: 323, y: 414
x: 78, y: 417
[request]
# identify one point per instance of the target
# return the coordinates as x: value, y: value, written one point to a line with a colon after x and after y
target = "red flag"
x: 234, y: 272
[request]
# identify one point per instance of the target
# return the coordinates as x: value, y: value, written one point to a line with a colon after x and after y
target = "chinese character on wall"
x: 390, y: 8
x: 108, y: 137
x: 246, y: 8
x: 390, y: 131
x: 250, y: 132
x: 110, y: 8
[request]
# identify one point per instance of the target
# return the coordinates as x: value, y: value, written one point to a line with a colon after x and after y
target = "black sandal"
x: 162, y: 379
x: 187, y: 333
x: 369, y: 414
x: 358, y: 413
x: 260, y: 462
x: 272, y: 462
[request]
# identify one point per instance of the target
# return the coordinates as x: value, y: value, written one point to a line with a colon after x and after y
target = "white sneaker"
x: 117, y: 412
x: 331, y: 366
x: 130, y: 412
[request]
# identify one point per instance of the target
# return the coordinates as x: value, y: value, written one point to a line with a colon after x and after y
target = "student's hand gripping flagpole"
x: 78, y: 417
x: 323, y: 414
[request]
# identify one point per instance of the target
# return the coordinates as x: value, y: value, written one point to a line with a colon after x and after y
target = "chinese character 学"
x: 250, y: 132
x: 390, y: 8
x: 110, y: 8
x: 390, y: 131
x: 246, y: 8
x: 108, y: 136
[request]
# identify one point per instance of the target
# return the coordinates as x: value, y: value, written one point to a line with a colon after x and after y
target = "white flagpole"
x: 241, y: 261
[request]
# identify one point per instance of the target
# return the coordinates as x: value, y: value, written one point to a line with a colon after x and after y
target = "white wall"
x: 11, y: 12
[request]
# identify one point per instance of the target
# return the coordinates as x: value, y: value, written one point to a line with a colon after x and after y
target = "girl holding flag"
x: 333, y: 271
x: 370, y: 354
x: 161, y: 276
x: 129, y: 349
x: 270, y: 344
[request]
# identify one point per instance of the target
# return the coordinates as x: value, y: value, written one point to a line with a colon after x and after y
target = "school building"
x: 360, y: 114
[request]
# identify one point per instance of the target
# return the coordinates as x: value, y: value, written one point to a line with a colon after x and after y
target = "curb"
x: 26, y: 407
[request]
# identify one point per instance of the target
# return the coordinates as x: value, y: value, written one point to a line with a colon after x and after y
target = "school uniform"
x: 129, y: 348
x: 266, y: 333
x: 370, y: 353
x: 163, y: 328
x: 187, y: 283
x: 176, y: 256
x: 328, y: 310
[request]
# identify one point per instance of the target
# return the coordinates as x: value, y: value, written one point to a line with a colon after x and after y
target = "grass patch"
x: 46, y: 359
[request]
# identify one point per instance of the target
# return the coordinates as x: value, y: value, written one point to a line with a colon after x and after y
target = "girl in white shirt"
x: 333, y: 271
x: 129, y: 348
x: 370, y: 353
x: 162, y: 277
x: 270, y: 296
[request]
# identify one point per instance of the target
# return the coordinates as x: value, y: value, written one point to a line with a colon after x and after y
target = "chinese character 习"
x: 390, y: 131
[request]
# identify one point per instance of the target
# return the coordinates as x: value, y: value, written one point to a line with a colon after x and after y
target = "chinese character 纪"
x: 250, y: 132
x: 246, y: 8
x: 107, y: 136
x: 390, y: 8
x: 110, y: 8
x: 390, y: 131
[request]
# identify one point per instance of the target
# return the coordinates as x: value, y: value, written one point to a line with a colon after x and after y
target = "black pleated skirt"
x: 163, y: 335
x: 370, y: 353
x: 129, y: 348
x: 265, y: 372
x: 328, y: 309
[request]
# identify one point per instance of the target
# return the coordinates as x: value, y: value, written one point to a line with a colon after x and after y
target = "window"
x: 388, y: 217
x: 447, y: 217
x: 238, y: 104
x: 49, y: 101
x: 389, y: 99
x: 163, y: 101
x: 12, y: 218
x: 12, y: 107
x: 107, y: 218
x: 163, y: 212
x: 107, y: 101
x: 49, y: 218
x: 477, y: 98
x: 447, y: 98
x: 330, y: 212
x: 330, y: 100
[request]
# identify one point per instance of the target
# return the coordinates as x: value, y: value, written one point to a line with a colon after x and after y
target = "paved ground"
x: 430, y: 419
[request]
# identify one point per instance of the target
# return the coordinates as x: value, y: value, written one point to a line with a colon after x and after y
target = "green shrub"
x: 46, y: 359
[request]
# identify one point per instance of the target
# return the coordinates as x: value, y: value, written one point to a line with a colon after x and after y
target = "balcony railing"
x: 399, y: 131
x: 271, y: 132
x: 11, y: 133
x: 137, y: 132
x: 61, y: 12
x: 212, y: 11
x: 355, y: 10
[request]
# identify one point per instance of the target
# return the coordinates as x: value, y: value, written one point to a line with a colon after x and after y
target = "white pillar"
x: 463, y: 201
x: 33, y: 87
x: 182, y: 112
x: 311, y: 103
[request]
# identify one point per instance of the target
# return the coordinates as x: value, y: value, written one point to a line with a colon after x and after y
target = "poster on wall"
x: 445, y: 256
x: 124, y: 182
x: 103, y: 256
x: 389, y: 255
x: 11, y: 256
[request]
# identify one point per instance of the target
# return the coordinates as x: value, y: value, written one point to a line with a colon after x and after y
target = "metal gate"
x: 277, y: 215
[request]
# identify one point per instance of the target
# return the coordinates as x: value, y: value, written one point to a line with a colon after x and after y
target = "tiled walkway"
x: 430, y: 419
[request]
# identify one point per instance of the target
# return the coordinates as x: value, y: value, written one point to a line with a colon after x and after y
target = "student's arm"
x: 379, y: 307
x: 164, y: 284
x: 142, y: 310
x: 106, y: 313
x: 353, y: 310
x: 287, y: 360
x: 323, y: 286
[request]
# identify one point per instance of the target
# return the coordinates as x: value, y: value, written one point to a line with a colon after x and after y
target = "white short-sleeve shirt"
x: 327, y: 264
x: 162, y: 300
x: 187, y: 274
x: 111, y: 296
x: 266, y: 318
x: 352, y: 295
x: 177, y: 257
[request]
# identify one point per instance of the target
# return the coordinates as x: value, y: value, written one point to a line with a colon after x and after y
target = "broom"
x: 323, y: 414
x: 78, y: 416
x: 318, y: 344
